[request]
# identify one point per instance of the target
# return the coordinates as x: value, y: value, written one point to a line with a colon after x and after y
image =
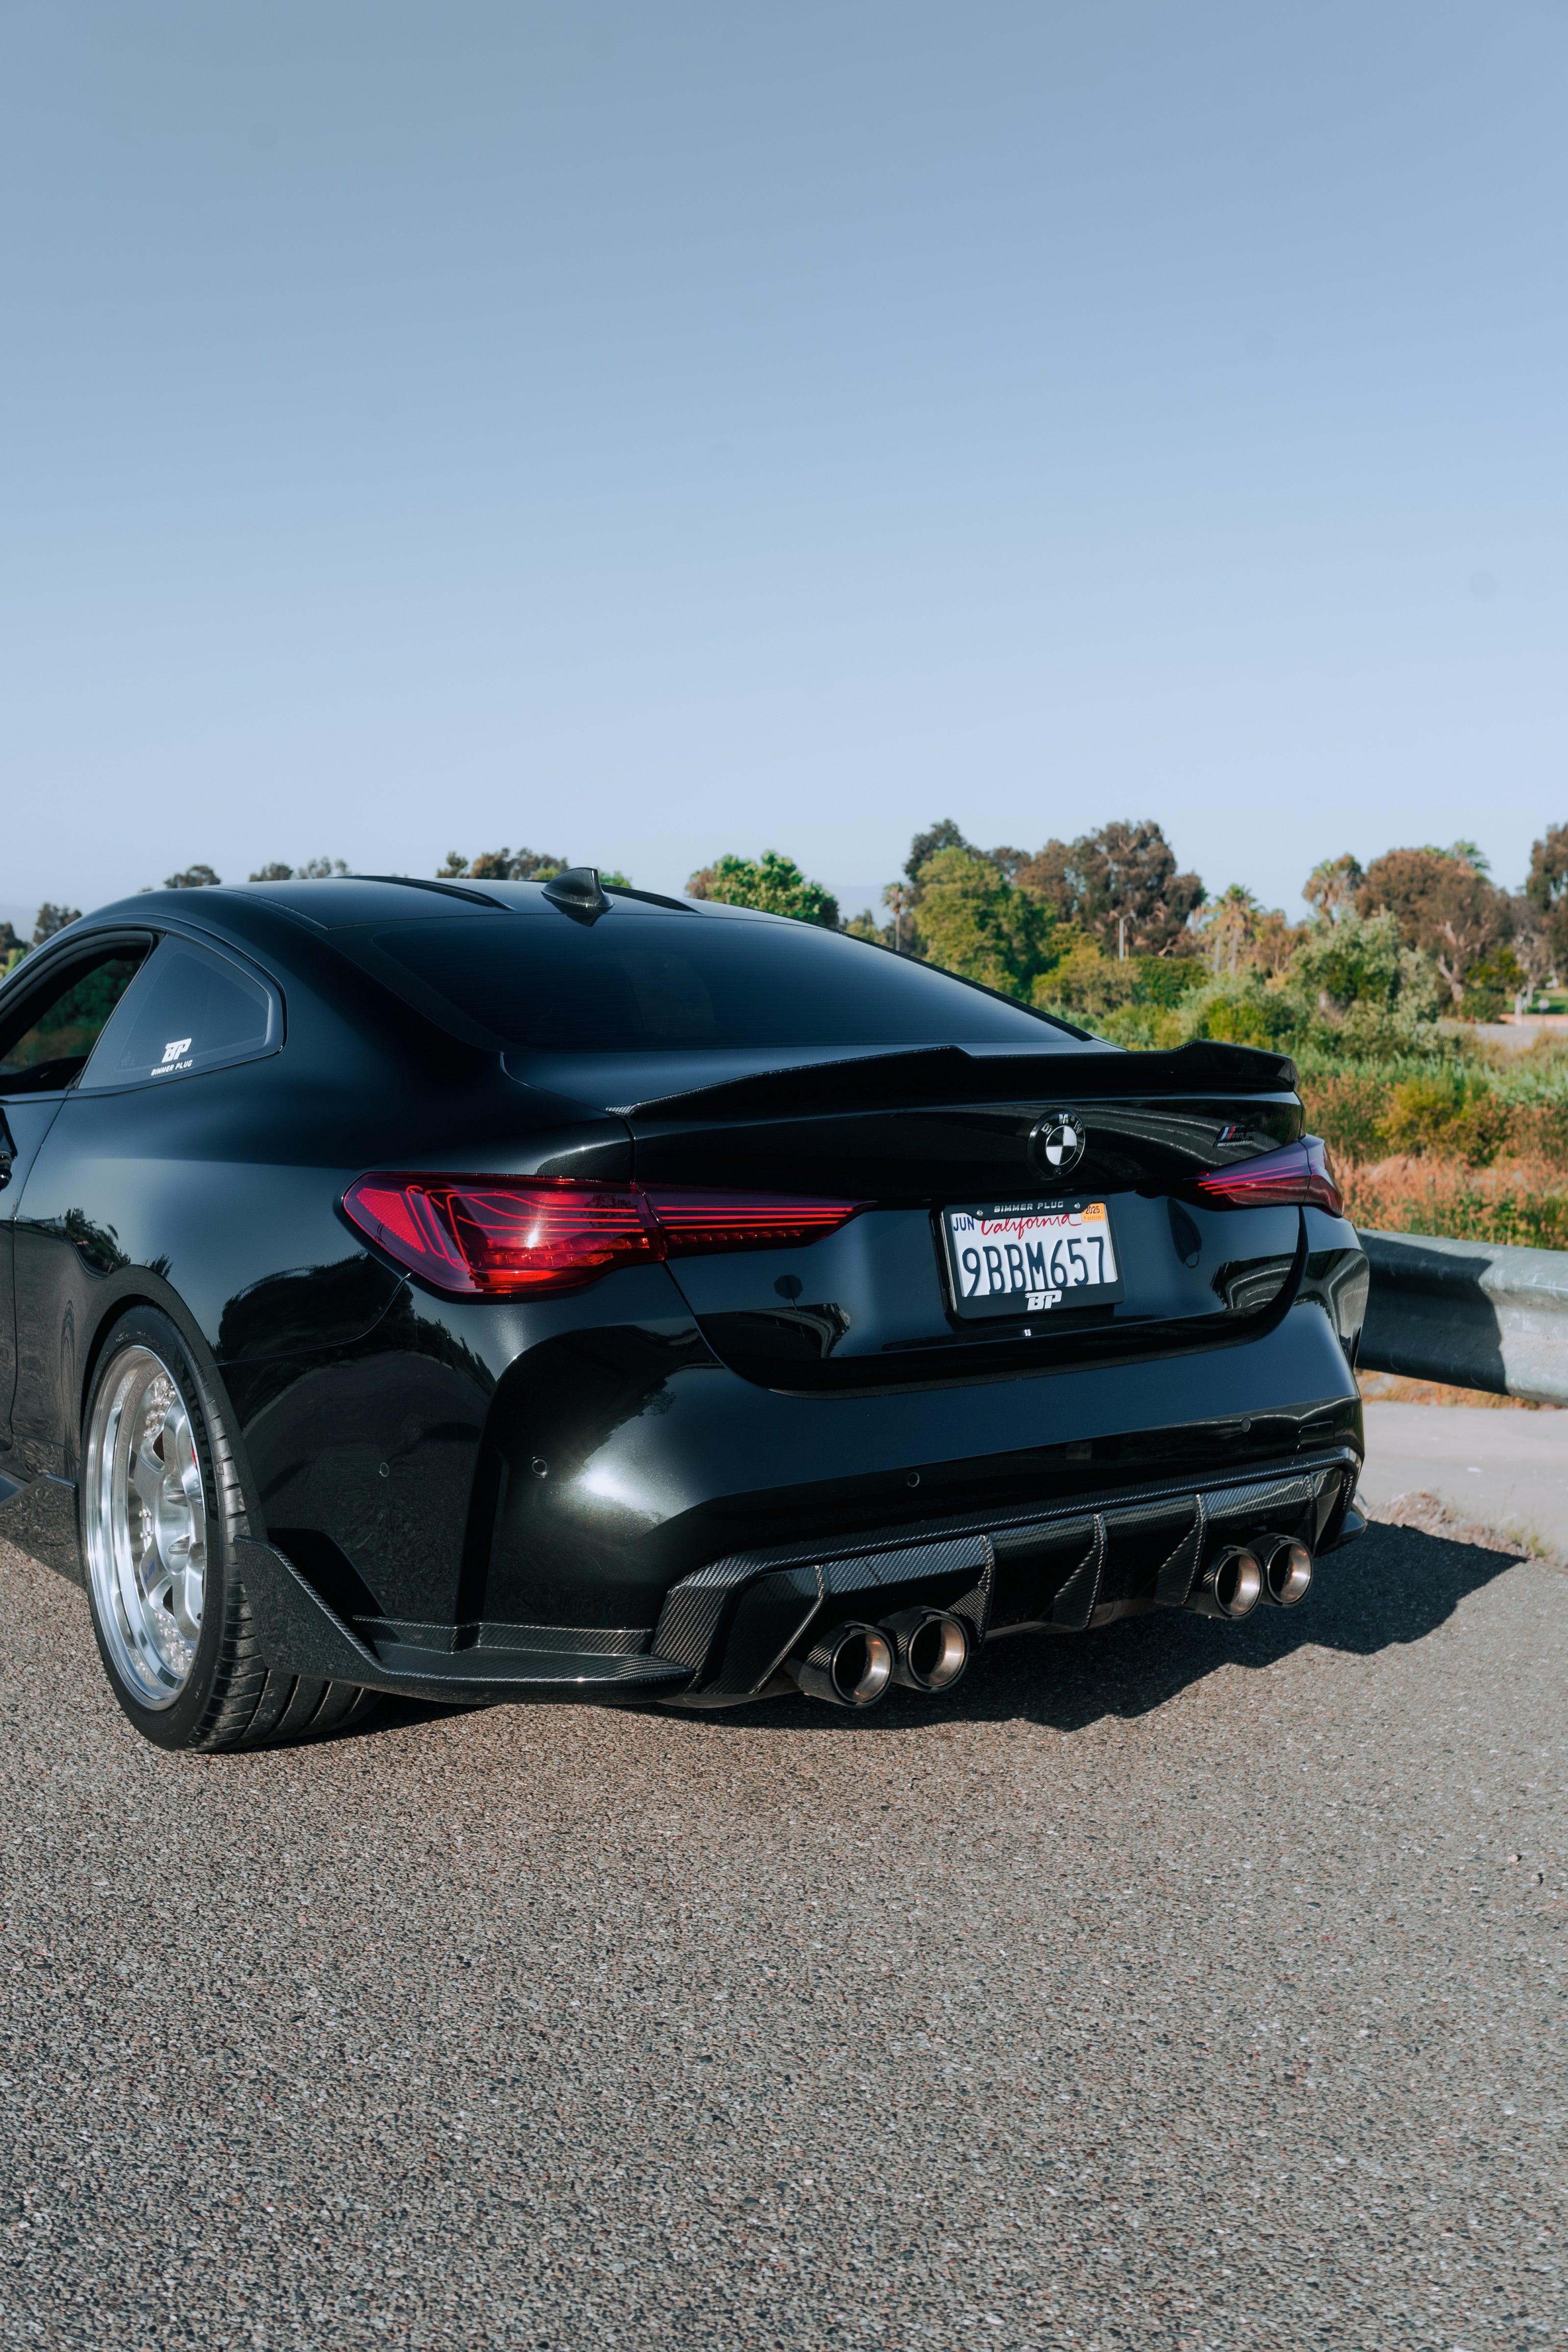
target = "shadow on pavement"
x: 1393, y: 1587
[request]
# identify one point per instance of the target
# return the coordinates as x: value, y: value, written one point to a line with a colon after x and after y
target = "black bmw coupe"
x: 560, y: 1290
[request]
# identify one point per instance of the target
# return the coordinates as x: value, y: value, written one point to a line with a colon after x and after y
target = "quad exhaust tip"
x: 1232, y: 1584
x: 1287, y: 1575
x: 853, y: 1664
x: 930, y: 1648
x: 849, y: 1666
x: 1277, y: 1569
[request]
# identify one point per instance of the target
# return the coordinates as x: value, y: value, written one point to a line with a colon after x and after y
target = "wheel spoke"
x: 193, y: 1593
x: 184, y: 1598
x: 183, y: 1466
x: 147, y: 1475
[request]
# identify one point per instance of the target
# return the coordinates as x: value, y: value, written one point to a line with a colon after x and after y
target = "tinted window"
x: 53, y: 1033
x: 635, y: 983
x: 191, y: 1009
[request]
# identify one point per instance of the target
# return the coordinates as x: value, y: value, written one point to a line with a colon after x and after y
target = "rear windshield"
x: 635, y: 982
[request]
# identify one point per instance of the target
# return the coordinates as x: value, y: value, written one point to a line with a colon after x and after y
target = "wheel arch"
x: 146, y: 1291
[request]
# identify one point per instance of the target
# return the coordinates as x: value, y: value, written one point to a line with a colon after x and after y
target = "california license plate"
x: 1022, y: 1257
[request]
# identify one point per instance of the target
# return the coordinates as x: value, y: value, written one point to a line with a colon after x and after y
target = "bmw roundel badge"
x: 1058, y: 1143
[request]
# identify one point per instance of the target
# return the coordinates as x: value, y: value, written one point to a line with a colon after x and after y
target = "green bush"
x: 1141, y: 1029
x: 1346, y: 1109
x: 1454, y: 1119
x: 1243, y: 1011
x: 1165, y: 981
x: 1453, y: 1105
x: 1132, y: 1000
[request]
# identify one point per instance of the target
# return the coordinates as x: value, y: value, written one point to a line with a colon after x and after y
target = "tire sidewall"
x: 179, y: 1724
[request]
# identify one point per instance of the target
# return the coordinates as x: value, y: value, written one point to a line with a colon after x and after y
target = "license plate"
x: 1020, y: 1257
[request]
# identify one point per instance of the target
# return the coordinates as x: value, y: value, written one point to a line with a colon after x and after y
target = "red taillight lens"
x: 1297, y: 1177
x: 694, y: 1223
x: 475, y: 1237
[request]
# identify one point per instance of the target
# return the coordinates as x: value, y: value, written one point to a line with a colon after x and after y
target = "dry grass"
x: 1392, y: 1388
x: 1472, y: 1115
x: 1517, y: 1199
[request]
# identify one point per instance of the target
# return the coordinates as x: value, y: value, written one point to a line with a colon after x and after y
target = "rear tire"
x: 162, y: 1504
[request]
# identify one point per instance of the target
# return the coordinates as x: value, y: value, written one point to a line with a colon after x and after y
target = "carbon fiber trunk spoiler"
x: 948, y: 1073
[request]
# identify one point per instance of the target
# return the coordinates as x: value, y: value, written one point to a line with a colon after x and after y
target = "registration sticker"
x: 1023, y: 1257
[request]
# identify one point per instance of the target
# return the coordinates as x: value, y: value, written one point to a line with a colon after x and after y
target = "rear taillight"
x: 473, y: 1236
x: 1296, y: 1177
x: 695, y: 1223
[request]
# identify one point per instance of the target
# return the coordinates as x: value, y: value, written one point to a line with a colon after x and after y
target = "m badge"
x: 1057, y: 1144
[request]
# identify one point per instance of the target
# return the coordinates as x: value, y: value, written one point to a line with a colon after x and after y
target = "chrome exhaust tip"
x: 849, y: 1666
x: 930, y: 1648
x: 1287, y: 1575
x: 1231, y: 1586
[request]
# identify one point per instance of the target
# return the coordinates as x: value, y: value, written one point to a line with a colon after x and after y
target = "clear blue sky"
x: 648, y: 429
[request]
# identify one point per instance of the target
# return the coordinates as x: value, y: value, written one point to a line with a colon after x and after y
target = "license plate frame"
x: 1030, y: 1237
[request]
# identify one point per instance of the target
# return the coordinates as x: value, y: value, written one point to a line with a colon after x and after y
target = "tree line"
x: 1105, y: 929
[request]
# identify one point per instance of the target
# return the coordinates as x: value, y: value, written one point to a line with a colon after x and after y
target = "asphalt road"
x: 1184, y: 1985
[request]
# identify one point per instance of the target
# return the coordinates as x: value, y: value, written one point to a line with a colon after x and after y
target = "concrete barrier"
x: 1477, y: 1315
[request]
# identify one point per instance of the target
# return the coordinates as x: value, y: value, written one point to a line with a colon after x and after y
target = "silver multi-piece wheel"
x: 165, y: 1517
x: 146, y: 1525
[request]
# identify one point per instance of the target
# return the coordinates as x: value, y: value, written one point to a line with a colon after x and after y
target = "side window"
x: 46, y: 1042
x: 191, y: 1009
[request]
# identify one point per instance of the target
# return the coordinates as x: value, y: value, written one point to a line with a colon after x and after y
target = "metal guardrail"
x: 1477, y: 1315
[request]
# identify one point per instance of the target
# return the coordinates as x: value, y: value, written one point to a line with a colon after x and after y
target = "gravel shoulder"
x: 1184, y: 1985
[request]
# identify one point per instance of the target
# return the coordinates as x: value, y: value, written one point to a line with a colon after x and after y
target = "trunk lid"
x: 916, y: 1134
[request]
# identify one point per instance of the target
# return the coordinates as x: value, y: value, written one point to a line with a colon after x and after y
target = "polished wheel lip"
x: 146, y: 1525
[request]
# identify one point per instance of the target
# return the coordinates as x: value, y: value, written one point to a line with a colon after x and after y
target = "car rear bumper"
x: 726, y: 1630
x: 485, y: 1499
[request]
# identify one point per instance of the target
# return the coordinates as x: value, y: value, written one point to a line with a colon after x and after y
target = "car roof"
x: 349, y: 901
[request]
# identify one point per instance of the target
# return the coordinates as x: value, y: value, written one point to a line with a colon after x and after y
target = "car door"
x: 52, y: 1010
